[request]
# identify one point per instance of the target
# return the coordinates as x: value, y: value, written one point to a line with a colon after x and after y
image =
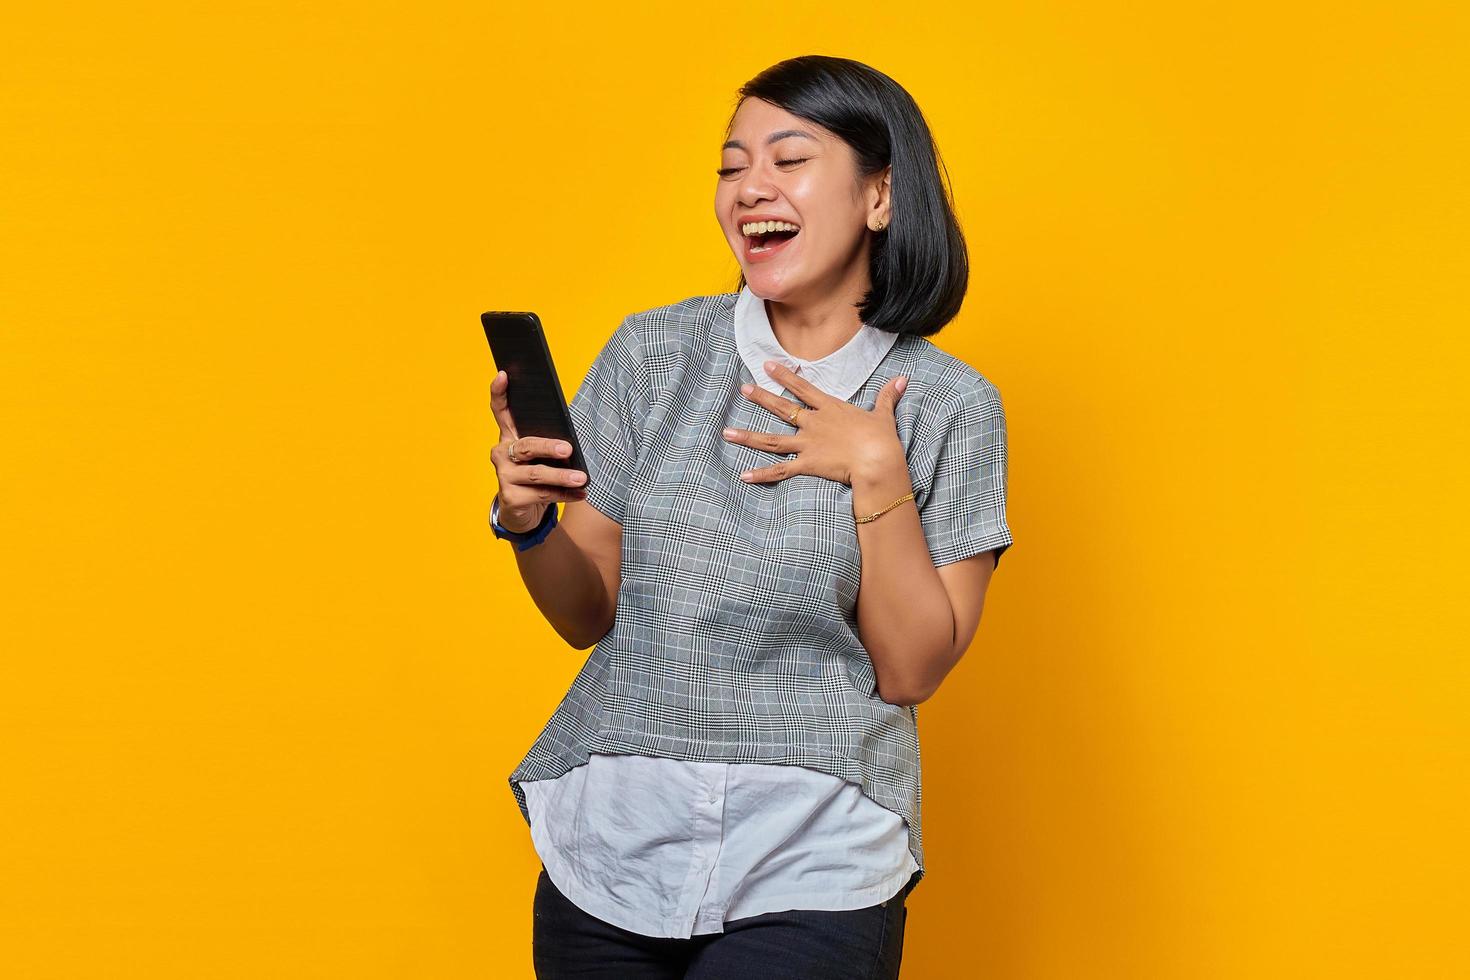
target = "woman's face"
x: 782, y: 167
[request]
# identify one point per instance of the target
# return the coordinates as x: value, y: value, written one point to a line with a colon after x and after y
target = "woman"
x: 796, y: 503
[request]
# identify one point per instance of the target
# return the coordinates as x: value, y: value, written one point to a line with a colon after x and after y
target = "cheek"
x: 822, y: 207
x: 722, y: 205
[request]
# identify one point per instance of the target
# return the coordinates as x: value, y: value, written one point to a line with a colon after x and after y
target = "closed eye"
x: 727, y: 171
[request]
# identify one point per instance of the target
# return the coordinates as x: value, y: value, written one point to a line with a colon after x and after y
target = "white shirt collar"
x: 841, y: 373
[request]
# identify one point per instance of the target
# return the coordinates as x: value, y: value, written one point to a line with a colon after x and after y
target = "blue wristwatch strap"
x: 523, y: 539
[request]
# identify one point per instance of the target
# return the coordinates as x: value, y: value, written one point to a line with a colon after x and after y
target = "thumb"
x: 500, y: 405
x: 893, y: 391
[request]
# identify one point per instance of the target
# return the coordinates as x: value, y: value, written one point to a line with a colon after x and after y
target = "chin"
x: 767, y: 284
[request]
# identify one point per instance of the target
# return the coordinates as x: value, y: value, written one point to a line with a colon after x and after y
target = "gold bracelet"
x: 864, y: 520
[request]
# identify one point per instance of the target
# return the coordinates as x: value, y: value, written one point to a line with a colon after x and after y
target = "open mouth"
x: 769, y: 242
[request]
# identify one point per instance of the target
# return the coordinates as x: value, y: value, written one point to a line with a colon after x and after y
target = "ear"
x: 878, y: 198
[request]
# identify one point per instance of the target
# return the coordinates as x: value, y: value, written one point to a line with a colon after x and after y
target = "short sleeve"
x: 607, y: 413
x: 962, y: 468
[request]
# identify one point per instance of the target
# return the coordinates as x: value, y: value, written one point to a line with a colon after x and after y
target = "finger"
x: 797, y: 385
x: 536, y: 474
x: 544, y: 495
x: 891, y: 393
x: 770, y: 442
x: 770, y: 474
x: 774, y: 404
x: 500, y: 406
x: 564, y: 495
x: 537, y: 447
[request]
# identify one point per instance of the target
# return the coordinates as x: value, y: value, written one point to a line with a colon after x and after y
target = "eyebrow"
x: 773, y: 138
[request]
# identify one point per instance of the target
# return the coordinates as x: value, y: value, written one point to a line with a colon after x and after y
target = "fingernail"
x: 579, y: 477
x: 746, y: 389
x: 729, y: 433
x: 564, y: 449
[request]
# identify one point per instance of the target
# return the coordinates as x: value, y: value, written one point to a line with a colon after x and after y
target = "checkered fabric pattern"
x: 735, y: 637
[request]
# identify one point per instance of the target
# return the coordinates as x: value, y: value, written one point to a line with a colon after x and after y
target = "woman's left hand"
x: 834, y: 438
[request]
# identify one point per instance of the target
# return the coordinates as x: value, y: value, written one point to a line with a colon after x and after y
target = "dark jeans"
x: 861, y: 944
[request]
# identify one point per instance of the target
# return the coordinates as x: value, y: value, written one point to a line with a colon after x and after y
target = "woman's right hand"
x: 527, y: 488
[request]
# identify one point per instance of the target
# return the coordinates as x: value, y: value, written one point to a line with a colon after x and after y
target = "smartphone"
x: 537, y: 405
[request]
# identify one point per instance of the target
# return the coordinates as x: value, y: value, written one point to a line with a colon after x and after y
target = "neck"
x: 812, y: 329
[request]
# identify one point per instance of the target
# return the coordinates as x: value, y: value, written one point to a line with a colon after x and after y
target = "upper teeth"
x: 764, y: 227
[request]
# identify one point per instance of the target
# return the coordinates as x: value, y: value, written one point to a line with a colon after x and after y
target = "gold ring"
x: 511, y: 452
x: 794, y: 414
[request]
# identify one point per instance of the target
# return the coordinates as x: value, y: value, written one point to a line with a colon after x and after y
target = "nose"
x: 755, y: 186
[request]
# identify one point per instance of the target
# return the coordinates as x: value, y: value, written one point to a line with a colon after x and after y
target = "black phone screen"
x: 537, y: 405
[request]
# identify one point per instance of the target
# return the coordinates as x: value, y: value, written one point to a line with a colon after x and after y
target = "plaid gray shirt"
x: 735, y: 637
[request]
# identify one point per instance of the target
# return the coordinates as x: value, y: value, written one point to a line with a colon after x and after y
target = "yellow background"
x: 266, y: 670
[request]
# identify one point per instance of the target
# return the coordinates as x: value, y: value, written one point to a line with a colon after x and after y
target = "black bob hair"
x: 919, y: 267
